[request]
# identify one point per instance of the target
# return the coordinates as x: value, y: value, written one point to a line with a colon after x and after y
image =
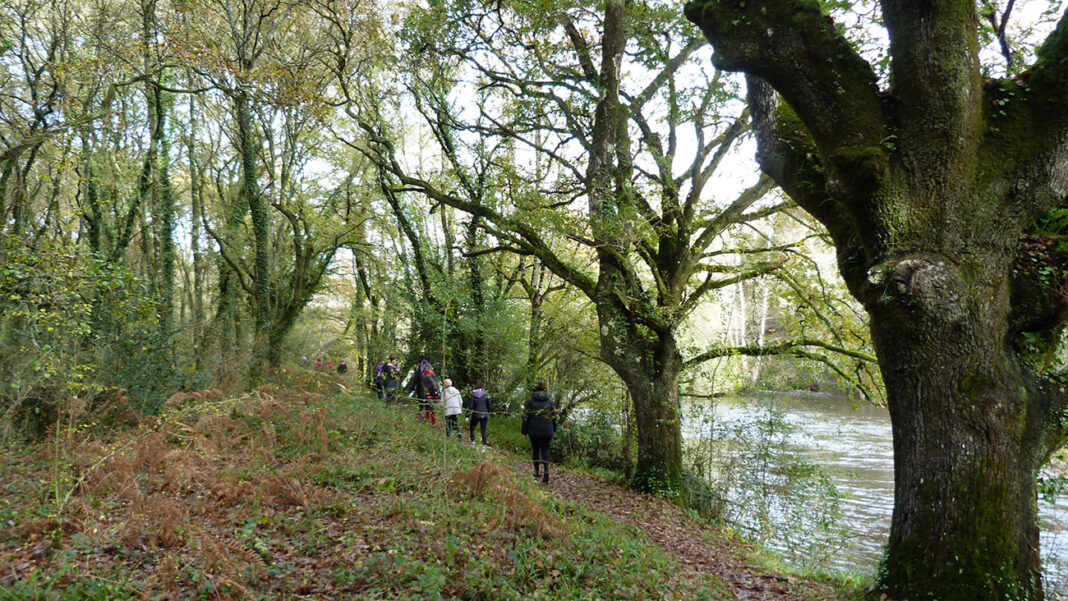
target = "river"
x: 852, y: 443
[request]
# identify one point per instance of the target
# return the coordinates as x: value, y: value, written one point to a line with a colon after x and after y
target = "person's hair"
x: 448, y: 382
x: 477, y: 383
x: 541, y: 385
x: 392, y: 359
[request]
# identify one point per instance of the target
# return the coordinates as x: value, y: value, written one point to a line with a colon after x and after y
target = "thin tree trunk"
x: 251, y: 197
x: 196, y: 201
x: 168, y: 250
x: 478, y: 362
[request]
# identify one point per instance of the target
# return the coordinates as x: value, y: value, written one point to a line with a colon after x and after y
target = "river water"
x: 852, y: 443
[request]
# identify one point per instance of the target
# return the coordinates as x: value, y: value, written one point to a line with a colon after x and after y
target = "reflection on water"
x: 852, y: 442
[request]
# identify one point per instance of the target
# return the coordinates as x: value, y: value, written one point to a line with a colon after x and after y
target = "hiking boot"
x: 545, y: 477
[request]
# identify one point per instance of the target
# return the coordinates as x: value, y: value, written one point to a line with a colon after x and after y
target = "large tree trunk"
x: 656, y: 413
x: 967, y: 446
x: 928, y: 189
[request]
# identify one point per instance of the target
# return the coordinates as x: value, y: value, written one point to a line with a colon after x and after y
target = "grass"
x: 297, y: 490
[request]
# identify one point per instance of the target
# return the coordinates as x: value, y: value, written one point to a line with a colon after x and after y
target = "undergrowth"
x: 300, y: 489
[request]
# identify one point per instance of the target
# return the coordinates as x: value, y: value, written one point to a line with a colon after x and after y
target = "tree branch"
x: 780, y: 348
x: 759, y: 269
x: 796, y: 48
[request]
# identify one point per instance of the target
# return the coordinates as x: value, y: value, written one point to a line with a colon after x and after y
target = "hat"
x: 448, y: 382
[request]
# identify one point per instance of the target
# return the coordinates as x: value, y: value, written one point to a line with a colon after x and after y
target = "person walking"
x: 427, y: 391
x: 452, y: 404
x: 378, y: 383
x: 539, y: 425
x: 342, y: 367
x: 481, y: 406
x: 390, y: 380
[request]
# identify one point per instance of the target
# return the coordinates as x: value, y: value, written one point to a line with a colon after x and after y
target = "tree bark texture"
x: 929, y: 190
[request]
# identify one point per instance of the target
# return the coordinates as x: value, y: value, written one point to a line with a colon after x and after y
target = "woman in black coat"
x: 539, y: 424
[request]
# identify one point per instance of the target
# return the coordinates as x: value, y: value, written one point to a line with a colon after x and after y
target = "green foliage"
x: 592, y: 439
x: 74, y: 325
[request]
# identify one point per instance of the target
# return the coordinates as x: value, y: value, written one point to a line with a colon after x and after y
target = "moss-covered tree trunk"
x: 649, y: 364
x: 624, y: 312
x: 969, y: 433
x: 933, y: 191
x: 251, y: 197
x: 196, y: 210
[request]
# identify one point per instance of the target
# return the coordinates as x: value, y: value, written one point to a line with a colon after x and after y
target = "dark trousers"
x: 452, y: 424
x: 481, y: 421
x: 540, y: 447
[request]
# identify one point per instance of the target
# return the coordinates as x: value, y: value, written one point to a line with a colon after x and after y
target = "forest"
x: 728, y: 235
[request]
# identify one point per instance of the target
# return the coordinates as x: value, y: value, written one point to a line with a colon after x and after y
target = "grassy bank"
x: 298, y: 490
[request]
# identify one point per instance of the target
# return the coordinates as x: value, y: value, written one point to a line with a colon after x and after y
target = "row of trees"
x: 172, y: 141
x: 223, y: 153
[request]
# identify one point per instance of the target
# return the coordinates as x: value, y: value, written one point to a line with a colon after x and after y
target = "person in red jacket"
x: 427, y: 391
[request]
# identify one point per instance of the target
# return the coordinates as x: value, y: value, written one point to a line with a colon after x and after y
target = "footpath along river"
x: 852, y: 442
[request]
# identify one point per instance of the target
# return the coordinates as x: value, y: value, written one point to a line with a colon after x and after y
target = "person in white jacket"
x: 453, y: 404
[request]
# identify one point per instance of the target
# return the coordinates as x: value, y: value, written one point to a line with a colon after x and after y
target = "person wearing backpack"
x: 539, y: 425
x: 427, y: 391
x: 480, y: 405
x: 451, y: 402
x: 378, y: 383
x: 390, y: 380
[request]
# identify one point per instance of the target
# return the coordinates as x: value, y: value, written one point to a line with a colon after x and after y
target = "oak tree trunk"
x: 931, y: 191
x: 967, y: 445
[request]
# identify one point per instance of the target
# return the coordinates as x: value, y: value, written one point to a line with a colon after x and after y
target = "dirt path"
x: 696, y: 546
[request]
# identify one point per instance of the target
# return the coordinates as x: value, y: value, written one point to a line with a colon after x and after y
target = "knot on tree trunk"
x: 925, y: 286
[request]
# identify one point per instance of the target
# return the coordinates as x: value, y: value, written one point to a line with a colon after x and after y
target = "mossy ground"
x: 299, y: 490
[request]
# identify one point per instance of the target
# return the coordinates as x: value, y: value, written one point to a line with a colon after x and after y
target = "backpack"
x: 430, y: 384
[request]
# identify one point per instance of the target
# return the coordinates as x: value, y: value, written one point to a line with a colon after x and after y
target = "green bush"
x: 595, y: 440
x: 73, y: 326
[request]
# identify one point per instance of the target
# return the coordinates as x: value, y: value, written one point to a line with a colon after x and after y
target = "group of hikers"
x: 342, y: 367
x: 539, y: 423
